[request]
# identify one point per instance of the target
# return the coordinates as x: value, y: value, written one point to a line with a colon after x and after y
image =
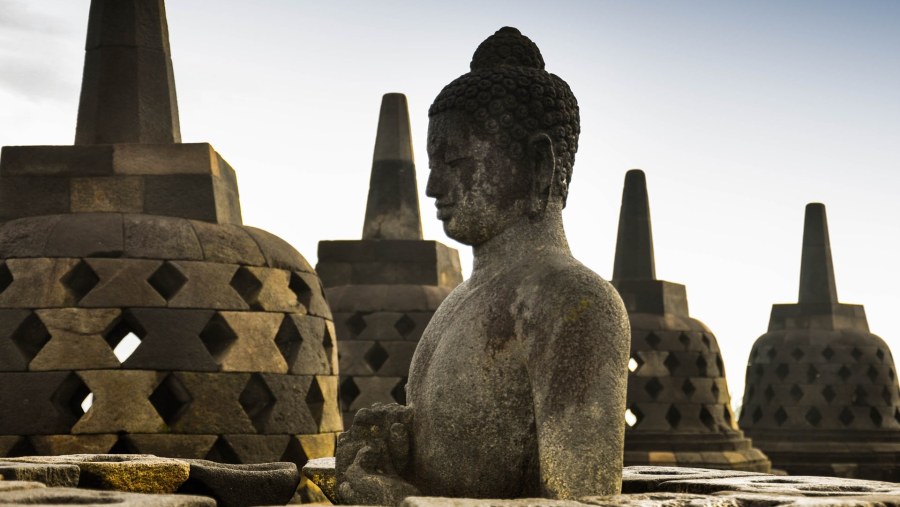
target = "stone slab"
x: 641, y: 479
x: 53, y: 445
x: 53, y: 475
x: 160, y: 237
x: 374, y: 262
x: 139, y: 473
x: 121, y: 402
x: 72, y: 496
x: 122, y: 194
x: 86, y: 235
x: 228, y: 244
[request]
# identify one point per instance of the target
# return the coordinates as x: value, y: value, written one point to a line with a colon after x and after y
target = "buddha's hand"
x: 372, y: 457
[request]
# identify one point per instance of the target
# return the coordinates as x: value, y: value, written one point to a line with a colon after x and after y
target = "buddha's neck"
x: 521, y: 242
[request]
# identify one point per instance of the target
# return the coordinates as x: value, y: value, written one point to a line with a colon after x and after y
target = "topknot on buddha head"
x: 508, y: 95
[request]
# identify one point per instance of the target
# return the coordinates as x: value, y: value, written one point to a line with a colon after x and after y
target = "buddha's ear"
x: 544, y: 170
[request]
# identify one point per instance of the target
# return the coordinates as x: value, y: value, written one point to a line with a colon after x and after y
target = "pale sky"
x: 740, y: 113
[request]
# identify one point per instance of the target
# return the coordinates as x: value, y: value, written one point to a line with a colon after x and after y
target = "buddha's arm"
x: 578, y: 367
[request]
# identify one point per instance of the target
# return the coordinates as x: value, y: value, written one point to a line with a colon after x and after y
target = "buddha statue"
x: 517, y: 386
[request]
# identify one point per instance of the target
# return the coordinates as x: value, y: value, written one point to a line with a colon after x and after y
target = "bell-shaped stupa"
x: 821, y: 395
x: 137, y: 314
x: 384, y: 288
x: 679, y: 410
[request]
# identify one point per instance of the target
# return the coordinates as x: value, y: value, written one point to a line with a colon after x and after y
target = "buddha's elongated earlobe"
x: 543, y: 173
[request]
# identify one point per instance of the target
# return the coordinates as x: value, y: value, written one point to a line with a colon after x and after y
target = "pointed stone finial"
x: 392, y: 211
x: 128, y: 87
x: 634, y: 245
x: 816, y: 269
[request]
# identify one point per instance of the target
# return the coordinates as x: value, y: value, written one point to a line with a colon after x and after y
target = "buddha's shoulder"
x: 567, y: 285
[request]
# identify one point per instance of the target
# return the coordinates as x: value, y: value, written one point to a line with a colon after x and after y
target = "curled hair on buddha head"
x: 508, y: 95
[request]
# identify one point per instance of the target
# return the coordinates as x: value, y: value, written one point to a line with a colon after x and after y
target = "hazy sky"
x: 739, y: 112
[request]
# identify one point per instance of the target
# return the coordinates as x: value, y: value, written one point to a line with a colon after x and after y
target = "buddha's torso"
x: 470, y: 388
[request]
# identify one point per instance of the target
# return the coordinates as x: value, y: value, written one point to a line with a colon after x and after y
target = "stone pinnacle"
x: 128, y: 86
x: 816, y: 269
x: 392, y: 211
x: 634, y: 245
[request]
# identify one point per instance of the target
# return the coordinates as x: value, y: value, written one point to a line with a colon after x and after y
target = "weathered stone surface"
x: 33, y: 195
x: 250, y: 449
x: 77, y: 339
x: 254, y: 348
x: 86, y: 235
x: 374, y: 262
x: 38, y: 283
x: 56, y: 160
x: 170, y: 340
x: 228, y: 244
x: 123, y: 194
x: 302, y: 340
x: 378, y: 298
x: 26, y: 237
x: 61, y: 475
x: 122, y: 283
x: 283, y: 408
x: 23, y: 336
x: 321, y: 472
x: 121, y: 402
x: 71, y: 496
x: 667, y: 500
x: 243, y: 485
x: 7, y: 485
x: 791, y: 485
x: 42, y: 402
x: 278, y: 253
x: 138, y: 473
x: 52, y: 445
x: 172, y: 446
x: 641, y: 479
x: 214, y: 404
x: 275, y: 293
x: 513, y: 351
x: 156, y: 237
x: 433, y: 501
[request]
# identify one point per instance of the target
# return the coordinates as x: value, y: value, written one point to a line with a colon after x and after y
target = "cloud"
x: 20, y: 16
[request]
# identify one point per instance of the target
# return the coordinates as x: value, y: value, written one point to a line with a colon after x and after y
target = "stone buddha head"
x: 501, y: 141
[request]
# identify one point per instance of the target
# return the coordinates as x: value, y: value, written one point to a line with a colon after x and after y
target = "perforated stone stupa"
x: 384, y: 288
x: 821, y: 395
x: 129, y: 237
x: 679, y: 409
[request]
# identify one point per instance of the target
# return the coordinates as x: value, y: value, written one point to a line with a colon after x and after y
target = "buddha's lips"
x: 444, y: 211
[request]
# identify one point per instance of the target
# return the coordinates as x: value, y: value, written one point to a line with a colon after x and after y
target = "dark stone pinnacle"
x: 128, y: 87
x: 392, y: 211
x: 816, y: 269
x: 634, y: 245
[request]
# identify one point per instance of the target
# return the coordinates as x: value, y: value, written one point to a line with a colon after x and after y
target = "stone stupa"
x: 821, y: 395
x: 131, y: 235
x: 679, y: 409
x: 384, y: 288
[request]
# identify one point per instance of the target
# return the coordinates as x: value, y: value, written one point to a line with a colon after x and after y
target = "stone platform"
x: 656, y: 486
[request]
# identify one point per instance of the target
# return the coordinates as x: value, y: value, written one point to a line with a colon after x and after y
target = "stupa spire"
x: 128, y: 87
x: 392, y: 210
x: 634, y: 245
x: 816, y: 269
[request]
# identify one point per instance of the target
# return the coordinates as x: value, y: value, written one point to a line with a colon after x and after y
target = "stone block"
x: 172, y: 446
x: 253, y: 348
x: 160, y: 237
x: 122, y: 283
x: 121, y: 402
x: 56, y: 160
x: 21, y: 337
x: 302, y: 340
x: 653, y: 296
x: 38, y: 283
x: 215, y: 404
x: 170, y: 340
x: 193, y: 196
x: 77, y: 339
x: 372, y: 390
x: 327, y: 412
x: 378, y: 298
x: 53, y: 445
x: 792, y: 485
x: 353, y: 360
x: 273, y: 290
x: 278, y: 252
x: 163, y: 159
x: 7, y: 486
x: 72, y: 496
x: 121, y: 194
x: 26, y: 237
x: 243, y: 485
x: 86, y: 235
x: 388, y: 262
x: 321, y: 472
x: 26, y: 196
x: 251, y: 449
x: 40, y: 403
x: 642, y: 479
x: 286, y: 410
x: 399, y: 355
x: 313, y: 295
x: 227, y: 244
x: 58, y: 476
x: 122, y: 472
x: 435, y: 501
